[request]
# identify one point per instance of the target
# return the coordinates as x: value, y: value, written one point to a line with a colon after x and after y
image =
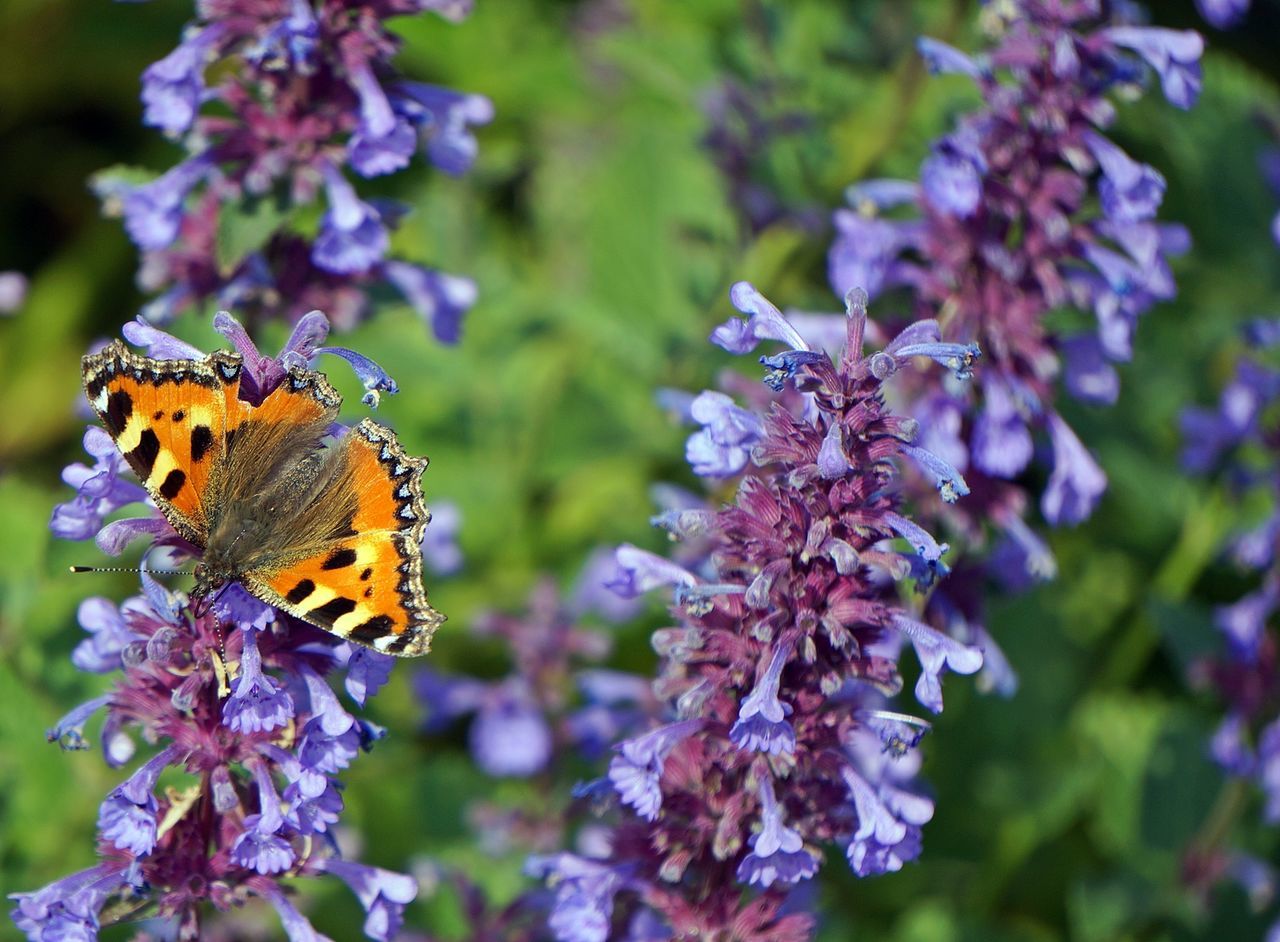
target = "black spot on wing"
x: 157, y: 415
x: 172, y: 484
x: 143, y: 457
x: 201, y: 441
x: 378, y: 626
x: 300, y: 592
x: 179, y: 415
x: 364, y: 576
x: 332, y: 610
x: 119, y: 408
x: 340, y: 559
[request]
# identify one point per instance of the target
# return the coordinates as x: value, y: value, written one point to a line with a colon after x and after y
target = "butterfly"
x: 330, y: 534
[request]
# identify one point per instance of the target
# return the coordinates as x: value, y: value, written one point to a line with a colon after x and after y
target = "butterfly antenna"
x: 165, y: 572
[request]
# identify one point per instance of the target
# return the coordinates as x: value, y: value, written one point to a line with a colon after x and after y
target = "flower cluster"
x: 237, y: 696
x: 305, y: 93
x: 778, y: 740
x: 1025, y: 208
x: 1239, y: 440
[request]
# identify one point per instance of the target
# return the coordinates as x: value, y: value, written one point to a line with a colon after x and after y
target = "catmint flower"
x: 238, y: 698
x: 1175, y: 56
x: 723, y: 447
x: 1223, y: 14
x: 277, y: 105
x: 772, y: 675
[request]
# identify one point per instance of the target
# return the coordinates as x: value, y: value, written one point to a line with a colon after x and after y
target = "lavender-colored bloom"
x: 1174, y: 54
x: 257, y: 703
x: 352, y: 237
x: 936, y: 651
x: 510, y: 736
x: 367, y: 671
x: 109, y: 635
x: 889, y: 821
x: 1130, y: 191
x: 384, y: 142
x: 952, y: 177
x: 127, y: 818
x: 440, y: 299
x: 942, y: 59
x: 865, y: 252
x: 153, y: 212
x: 1223, y: 14
x: 1229, y: 747
x: 67, y: 910
x: 762, y: 725
x: 777, y: 852
x: 1077, y: 482
x: 68, y: 732
x: 1088, y: 375
x: 1001, y: 440
x: 382, y: 893
x: 1244, y: 623
x: 640, y: 571
x: 950, y: 483
x: 723, y: 447
x: 100, y: 490
x: 260, y: 847
x: 637, y: 768
x: 871, y: 196
x: 444, y: 118
x: 764, y: 322
x: 585, y: 891
x: 173, y: 88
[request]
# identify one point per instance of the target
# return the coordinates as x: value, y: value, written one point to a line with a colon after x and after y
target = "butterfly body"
x: 328, y: 531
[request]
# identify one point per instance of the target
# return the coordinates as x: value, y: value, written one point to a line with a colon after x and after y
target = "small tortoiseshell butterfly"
x: 329, y: 534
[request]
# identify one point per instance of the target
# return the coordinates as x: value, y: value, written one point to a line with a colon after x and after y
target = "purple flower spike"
x: 637, y: 768
x: 764, y: 322
x: 173, y: 88
x: 382, y: 893
x: 352, y: 237
x: 127, y: 818
x: 777, y: 852
x: 762, y: 725
x: 723, y: 447
x: 257, y: 704
x: 1174, y: 54
x: 1077, y: 482
x: 640, y: 571
x: 1130, y: 191
x: 440, y: 299
x: 936, y: 651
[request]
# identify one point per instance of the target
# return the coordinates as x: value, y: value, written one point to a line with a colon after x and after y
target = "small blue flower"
x: 440, y: 299
x: 761, y: 725
x: 936, y: 651
x: 159, y: 344
x: 777, y: 852
x: 1001, y: 440
x: 1130, y: 191
x: 127, y: 817
x: 889, y: 821
x: 153, y: 212
x: 865, y: 252
x: 1229, y: 745
x: 109, y: 634
x: 296, y: 925
x: 942, y: 59
x: 1223, y: 14
x: 1245, y: 622
x: 289, y: 45
x: 444, y: 118
x: 173, y: 88
x: 585, y: 890
x: 257, y: 704
x: 1088, y: 375
x: 373, y: 378
x: 100, y: 490
x: 872, y: 196
x: 640, y: 571
x: 928, y: 550
x: 352, y: 238
x: 509, y: 735
x: 382, y: 893
x: 235, y: 605
x: 723, y: 447
x: 1174, y: 54
x: 636, y: 771
x: 367, y: 670
x: 1022, y: 557
x: 951, y: 177
x: 260, y: 846
x: 68, y: 732
x: 384, y: 142
x: 950, y: 483
x: 1076, y: 483
x: 67, y: 911
x: 764, y: 322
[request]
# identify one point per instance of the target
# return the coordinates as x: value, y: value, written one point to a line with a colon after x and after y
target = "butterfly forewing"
x: 364, y: 582
x: 169, y: 420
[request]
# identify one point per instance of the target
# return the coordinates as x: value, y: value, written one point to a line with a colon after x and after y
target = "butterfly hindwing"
x: 364, y: 582
x: 169, y: 420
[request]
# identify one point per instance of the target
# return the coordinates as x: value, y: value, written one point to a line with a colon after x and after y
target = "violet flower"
x: 263, y: 145
x: 787, y: 630
x: 237, y: 697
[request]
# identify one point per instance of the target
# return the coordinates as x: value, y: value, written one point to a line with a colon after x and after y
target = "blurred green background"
x: 603, y: 243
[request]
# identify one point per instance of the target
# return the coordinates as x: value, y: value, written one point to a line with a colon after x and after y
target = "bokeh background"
x: 603, y: 238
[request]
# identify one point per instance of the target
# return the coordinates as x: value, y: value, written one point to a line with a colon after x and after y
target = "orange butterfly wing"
x: 169, y: 419
x: 366, y: 584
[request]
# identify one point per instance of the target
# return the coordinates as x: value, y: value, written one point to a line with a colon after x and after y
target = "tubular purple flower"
x: 871, y: 196
x: 1088, y: 375
x: 510, y: 736
x: 373, y: 378
x: 1002, y: 444
x: 173, y: 88
x: 952, y: 176
x: 761, y: 725
x: 440, y: 299
x: 1174, y: 54
x: 256, y: 704
x: 383, y: 894
x: 1076, y: 483
x: 1244, y: 623
x: 950, y: 483
x: 153, y: 212
x: 723, y: 447
x: 68, y: 909
x: 936, y: 651
x: 68, y: 732
x: 127, y: 817
x: 260, y: 847
x: 100, y: 490
x: 640, y: 571
x: 384, y: 142
x: 585, y: 892
x: 777, y: 852
x: 942, y: 59
x: 1223, y: 14
x: 290, y: 45
x: 889, y: 821
x: 445, y: 118
x: 764, y: 322
x: 1130, y: 191
x: 637, y: 768
x: 352, y: 237
x: 159, y: 344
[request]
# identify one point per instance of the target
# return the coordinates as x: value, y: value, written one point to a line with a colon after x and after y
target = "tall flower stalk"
x: 778, y: 740
x: 237, y: 697
x: 275, y: 103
